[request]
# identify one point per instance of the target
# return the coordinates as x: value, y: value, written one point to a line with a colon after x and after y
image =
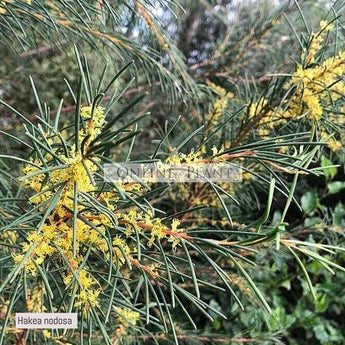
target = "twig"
x: 256, y: 120
x: 43, y: 49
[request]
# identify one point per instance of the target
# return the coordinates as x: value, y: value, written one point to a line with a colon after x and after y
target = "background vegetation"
x: 231, y: 79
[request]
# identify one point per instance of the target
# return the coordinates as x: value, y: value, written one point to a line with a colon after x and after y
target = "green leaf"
x: 322, y: 303
x: 329, y: 170
x: 306, y: 275
x: 266, y: 214
x: 339, y: 215
x: 279, y: 319
x: 77, y: 115
x: 335, y: 187
x: 321, y: 333
x: 310, y: 202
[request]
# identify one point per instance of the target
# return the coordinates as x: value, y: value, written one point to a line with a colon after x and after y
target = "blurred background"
x: 179, y: 48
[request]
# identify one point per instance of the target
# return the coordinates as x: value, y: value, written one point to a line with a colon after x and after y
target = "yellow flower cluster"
x: 199, y: 193
x: 110, y: 199
x: 157, y: 230
x: 136, y: 221
x: 67, y: 238
x: 3, y: 9
x: 189, y: 193
x: 34, y: 303
x: 87, y: 296
x: 270, y: 119
x: 3, y: 308
x: 314, y: 86
x: 220, y: 104
x: 333, y: 145
x: 121, y: 250
x: 57, y: 234
x: 317, y: 84
x: 127, y: 317
x: 218, y: 156
x: 9, y: 237
x: 59, y: 340
x: 174, y: 229
x: 178, y: 158
x: 95, y: 119
x: 316, y: 42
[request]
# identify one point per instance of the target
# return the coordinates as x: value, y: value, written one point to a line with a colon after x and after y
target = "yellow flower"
x: 94, y: 124
x: 34, y: 237
x: 157, y: 231
x: 34, y: 303
x: 87, y: 298
x: 215, y: 152
x: 173, y: 159
x: 334, y: 145
x: 220, y: 104
x: 3, y: 7
x: 218, y: 89
x: 174, y: 228
x: 132, y: 217
x: 316, y: 41
x: 127, y: 317
x: 121, y: 250
x: 284, y: 149
x: 256, y: 108
x: 17, y: 258
x: 86, y: 112
x: 10, y: 236
x: 85, y: 279
x: 324, y: 25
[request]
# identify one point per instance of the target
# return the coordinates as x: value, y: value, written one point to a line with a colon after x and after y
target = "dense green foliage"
x: 256, y: 83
